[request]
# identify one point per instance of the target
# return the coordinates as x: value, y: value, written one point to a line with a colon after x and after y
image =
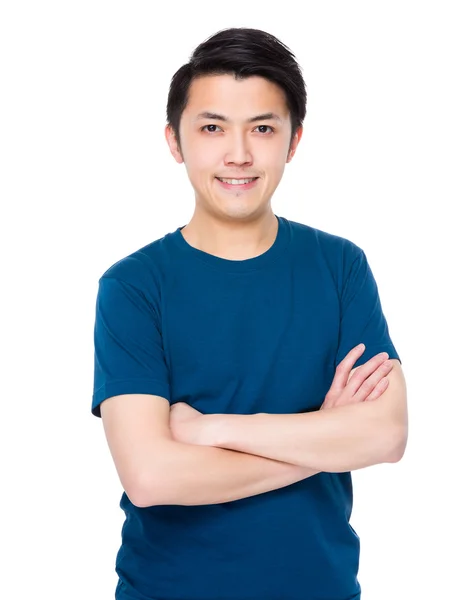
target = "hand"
x: 368, y: 382
x: 186, y: 423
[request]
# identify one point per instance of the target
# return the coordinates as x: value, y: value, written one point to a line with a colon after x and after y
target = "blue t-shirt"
x: 241, y: 337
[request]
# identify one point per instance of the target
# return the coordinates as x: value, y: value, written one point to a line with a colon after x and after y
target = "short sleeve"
x: 128, y: 350
x: 362, y: 319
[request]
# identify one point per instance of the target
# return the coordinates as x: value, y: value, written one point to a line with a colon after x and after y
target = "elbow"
x: 138, y: 494
x: 145, y: 491
x: 154, y: 483
x: 140, y: 499
x: 397, y: 444
x: 143, y: 497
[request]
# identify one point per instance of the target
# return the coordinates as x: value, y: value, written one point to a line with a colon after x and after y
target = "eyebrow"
x: 264, y: 117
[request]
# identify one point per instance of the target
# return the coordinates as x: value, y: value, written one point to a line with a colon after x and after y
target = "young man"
x: 235, y: 395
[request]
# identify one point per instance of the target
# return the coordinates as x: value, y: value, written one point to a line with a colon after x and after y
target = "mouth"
x: 237, y: 184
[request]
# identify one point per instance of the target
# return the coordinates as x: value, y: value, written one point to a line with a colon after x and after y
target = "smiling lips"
x: 238, y: 182
x: 245, y: 184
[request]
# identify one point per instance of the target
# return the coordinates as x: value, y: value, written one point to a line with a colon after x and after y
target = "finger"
x: 369, y: 384
x: 379, y: 389
x: 344, y: 367
x: 364, y: 371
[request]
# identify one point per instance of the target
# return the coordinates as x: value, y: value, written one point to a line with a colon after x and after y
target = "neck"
x: 232, y: 240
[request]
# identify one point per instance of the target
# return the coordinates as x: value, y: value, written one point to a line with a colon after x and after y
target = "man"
x: 243, y: 364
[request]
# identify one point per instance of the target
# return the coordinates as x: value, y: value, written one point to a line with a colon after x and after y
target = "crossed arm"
x: 342, y: 438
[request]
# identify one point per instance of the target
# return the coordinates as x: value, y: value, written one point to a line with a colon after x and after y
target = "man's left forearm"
x: 339, y: 439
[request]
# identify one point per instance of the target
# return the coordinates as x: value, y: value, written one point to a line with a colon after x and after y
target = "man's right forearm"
x: 192, y: 475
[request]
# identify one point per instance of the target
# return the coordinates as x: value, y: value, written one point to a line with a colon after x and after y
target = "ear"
x: 173, y: 144
x: 294, y: 143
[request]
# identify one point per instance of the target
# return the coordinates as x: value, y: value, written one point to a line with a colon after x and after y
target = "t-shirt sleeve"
x: 362, y: 319
x: 128, y: 350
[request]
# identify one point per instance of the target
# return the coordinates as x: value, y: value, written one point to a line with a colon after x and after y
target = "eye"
x: 265, y: 126
x: 205, y: 127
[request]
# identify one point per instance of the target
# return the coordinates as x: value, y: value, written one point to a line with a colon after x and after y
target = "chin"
x: 244, y: 210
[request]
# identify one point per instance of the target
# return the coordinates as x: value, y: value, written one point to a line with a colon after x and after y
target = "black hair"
x: 242, y: 52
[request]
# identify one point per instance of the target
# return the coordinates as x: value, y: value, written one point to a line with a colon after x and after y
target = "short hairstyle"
x: 242, y: 52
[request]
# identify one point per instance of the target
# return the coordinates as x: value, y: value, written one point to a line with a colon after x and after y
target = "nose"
x: 238, y: 152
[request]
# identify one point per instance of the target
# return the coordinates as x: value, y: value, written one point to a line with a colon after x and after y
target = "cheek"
x: 201, y: 170
x: 201, y: 160
x: 275, y: 170
x: 272, y: 159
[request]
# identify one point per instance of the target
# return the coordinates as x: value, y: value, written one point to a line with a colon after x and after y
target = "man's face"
x: 234, y: 130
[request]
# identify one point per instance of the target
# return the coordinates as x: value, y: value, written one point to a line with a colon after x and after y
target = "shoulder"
x: 336, y: 250
x: 144, y: 268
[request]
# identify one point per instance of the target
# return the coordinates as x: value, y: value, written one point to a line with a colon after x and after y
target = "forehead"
x: 226, y: 95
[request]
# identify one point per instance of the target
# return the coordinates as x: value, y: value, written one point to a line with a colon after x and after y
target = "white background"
x: 87, y: 178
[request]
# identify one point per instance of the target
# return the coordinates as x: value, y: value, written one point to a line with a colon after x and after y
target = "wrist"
x: 214, y: 430
x: 228, y: 430
x: 219, y: 430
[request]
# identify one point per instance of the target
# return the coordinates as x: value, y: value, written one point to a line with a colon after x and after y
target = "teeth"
x: 237, y: 181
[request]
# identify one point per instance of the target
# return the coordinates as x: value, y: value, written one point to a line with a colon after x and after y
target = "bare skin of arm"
x: 348, y: 433
x: 160, y: 460
x: 213, y: 478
